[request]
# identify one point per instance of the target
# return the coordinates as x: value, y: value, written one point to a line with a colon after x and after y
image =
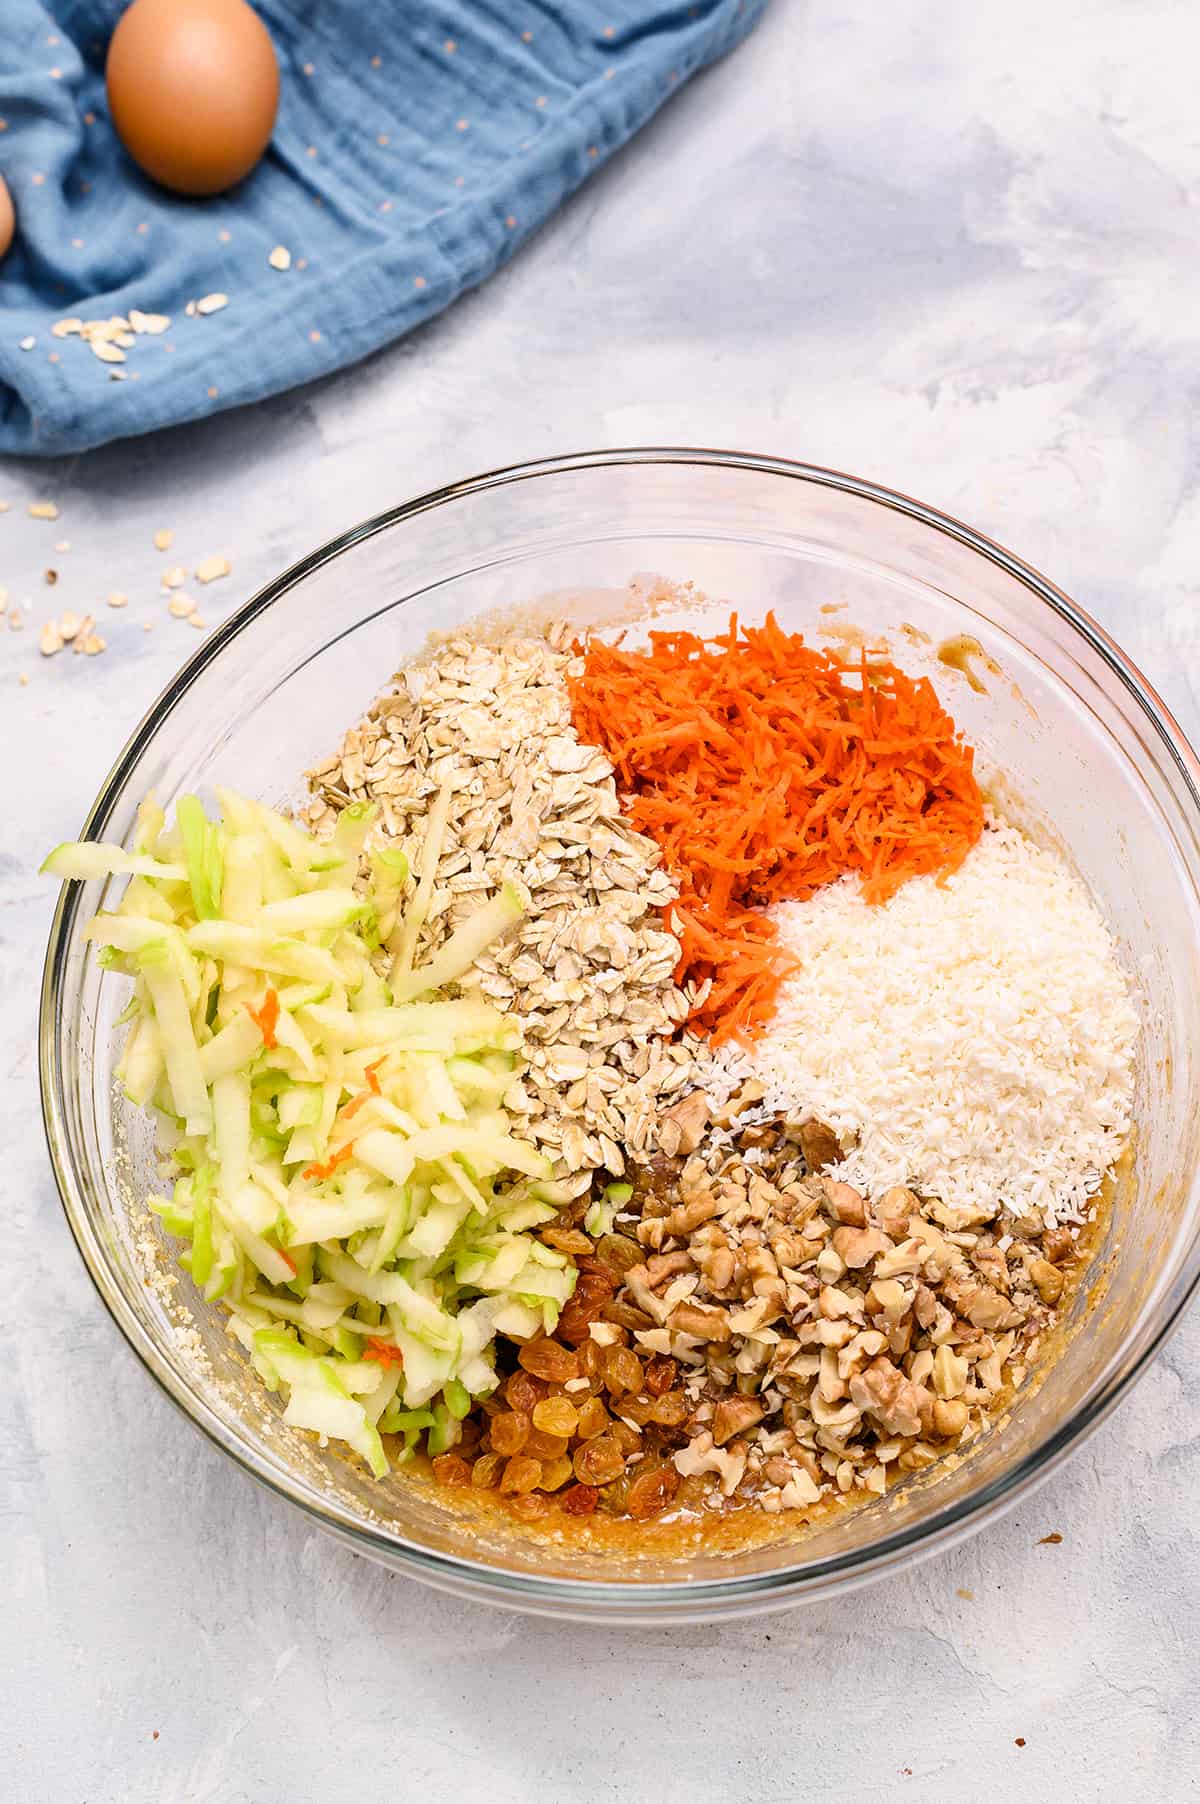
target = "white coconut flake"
x: 974, y: 1039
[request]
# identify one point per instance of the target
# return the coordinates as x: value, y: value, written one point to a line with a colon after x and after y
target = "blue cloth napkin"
x: 417, y: 146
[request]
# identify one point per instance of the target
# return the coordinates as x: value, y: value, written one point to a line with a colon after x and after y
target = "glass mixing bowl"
x: 1078, y: 746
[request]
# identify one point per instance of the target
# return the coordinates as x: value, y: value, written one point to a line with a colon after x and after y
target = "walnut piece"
x: 705, y: 1324
x: 681, y: 1127
x: 858, y: 1246
x: 846, y: 1203
x: 701, y: 1455
x: 819, y: 1144
x: 733, y: 1415
x: 894, y: 1400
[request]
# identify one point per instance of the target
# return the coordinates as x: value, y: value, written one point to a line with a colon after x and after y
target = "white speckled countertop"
x: 951, y: 248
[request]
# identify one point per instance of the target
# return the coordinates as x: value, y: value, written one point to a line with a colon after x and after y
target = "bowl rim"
x: 628, y: 1600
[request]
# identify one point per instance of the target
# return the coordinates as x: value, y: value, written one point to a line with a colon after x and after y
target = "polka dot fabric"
x: 416, y: 148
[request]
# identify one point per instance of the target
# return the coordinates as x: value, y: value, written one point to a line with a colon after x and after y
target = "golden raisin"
x: 580, y: 1500
x: 618, y: 1254
x: 556, y: 1415
x: 546, y: 1446
x: 651, y: 1491
x: 622, y: 1370
x: 592, y: 1291
x: 593, y: 1420
x: 510, y: 1432
x: 521, y: 1474
x: 567, y: 1240
x: 598, y: 1462
x: 670, y: 1411
x: 547, y: 1359
x: 612, y: 1497
x: 638, y: 1409
x: 661, y: 1373
x: 626, y: 1315
x: 595, y: 1280
x: 451, y: 1469
x: 556, y: 1473
x: 529, y: 1506
x: 591, y: 1359
x: 594, y: 1286
x: 628, y: 1439
x: 486, y: 1471
x: 522, y: 1392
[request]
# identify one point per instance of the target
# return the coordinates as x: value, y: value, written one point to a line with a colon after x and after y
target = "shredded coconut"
x: 973, y: 1039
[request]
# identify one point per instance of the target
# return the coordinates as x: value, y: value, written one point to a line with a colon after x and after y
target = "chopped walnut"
x: 718, y: 1267
x: 949, y: 1419
x: 893, y: 1209
x: 1057, y: 1245
x: 1048, y: 1280
x: 665, y: 1265
x: 858, y: 1246
x: 849, y: 1338
x: 834, y: 1303
x: 894, y: 1400
x: 985, y: 1307
x: 846, y: 1204
x: 700, y: 1455
x: 799, y: 1491
x: 733, y: 1415
x: 819, y: 1144
x: 681, y: 1127
x: 950, y: 1372
x: 705, y: 1324
x: 900, y: 1260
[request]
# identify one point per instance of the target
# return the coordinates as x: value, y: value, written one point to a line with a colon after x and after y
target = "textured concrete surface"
x: 949, y: 247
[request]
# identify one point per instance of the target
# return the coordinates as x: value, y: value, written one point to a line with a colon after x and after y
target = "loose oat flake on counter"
x: 650, y: 1084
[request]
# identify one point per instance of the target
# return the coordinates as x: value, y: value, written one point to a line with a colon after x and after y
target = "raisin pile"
x: 582, y: 1423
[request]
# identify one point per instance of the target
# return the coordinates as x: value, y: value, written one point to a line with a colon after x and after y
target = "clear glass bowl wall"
x: 1084, y: 750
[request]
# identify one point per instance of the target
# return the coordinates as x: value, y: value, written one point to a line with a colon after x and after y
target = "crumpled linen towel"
x: 416, y: 146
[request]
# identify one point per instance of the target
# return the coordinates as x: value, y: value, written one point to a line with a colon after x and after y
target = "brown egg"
x: 193, y: 86
x: 8, y: 219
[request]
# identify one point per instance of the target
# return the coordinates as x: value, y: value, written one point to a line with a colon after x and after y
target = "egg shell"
x: 193, y: 88
x: 8, y: 219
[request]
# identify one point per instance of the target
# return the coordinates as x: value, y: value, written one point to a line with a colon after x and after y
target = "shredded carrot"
x: 384, y: 1353
x: 764, y: 769
x: 326, y: 1170
x: 356, y: 1102
x: 287, y: 1260
x: 266, y: 1017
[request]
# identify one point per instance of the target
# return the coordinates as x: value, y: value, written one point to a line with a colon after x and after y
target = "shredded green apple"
x: 348, y: 1185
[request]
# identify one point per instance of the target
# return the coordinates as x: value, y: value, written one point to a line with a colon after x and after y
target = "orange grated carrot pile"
x: 764, y: 769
